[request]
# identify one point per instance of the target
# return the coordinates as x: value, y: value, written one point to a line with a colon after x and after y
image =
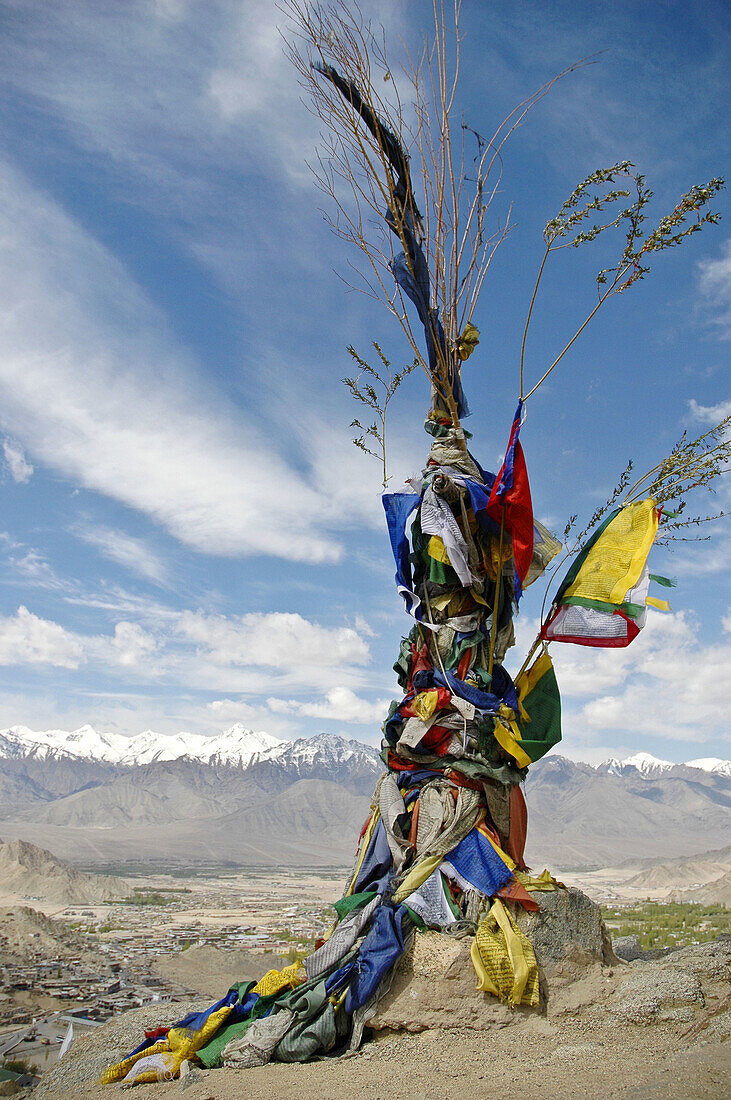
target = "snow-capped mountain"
x: 642, y: 762
x: 86, y: 742
x: 711, y: 764
x: 236, y: 745
x: 325, y: 752
x: 149, y: 746
x: 650, y: 766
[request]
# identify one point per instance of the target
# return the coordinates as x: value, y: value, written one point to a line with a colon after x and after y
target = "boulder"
x: 568, y: 935
x: 627, y: 948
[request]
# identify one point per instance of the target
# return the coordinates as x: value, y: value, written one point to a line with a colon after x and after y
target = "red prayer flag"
x: 511, y: 492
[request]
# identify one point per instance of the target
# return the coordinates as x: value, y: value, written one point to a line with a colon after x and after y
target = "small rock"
x: 191, y: 1076
x: 575, y: 1052
x: 627, y: 947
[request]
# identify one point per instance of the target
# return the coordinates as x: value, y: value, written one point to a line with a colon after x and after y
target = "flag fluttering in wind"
x: 603, y: 599
x: 510, y: 502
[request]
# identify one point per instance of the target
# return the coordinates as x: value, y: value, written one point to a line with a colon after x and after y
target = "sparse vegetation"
x: 20, y: 1065
x: 668, y: 924
x: 164, y: 890
x: 154, y: 898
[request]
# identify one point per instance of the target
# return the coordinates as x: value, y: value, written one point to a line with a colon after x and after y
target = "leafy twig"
x: 363, y: 389
x: 570, y: 229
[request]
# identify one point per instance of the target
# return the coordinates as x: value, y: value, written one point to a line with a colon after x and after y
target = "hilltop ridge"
x: 31, y: 873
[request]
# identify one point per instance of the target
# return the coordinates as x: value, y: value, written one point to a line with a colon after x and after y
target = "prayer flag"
x: 511, y: 494
x: 603, y: 597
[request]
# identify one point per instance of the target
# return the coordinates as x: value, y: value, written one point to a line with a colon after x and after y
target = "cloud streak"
x: 127, y: 415
x: 132, y: 553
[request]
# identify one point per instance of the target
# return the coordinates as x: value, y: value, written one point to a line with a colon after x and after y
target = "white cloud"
x: 131, y: 644
x: 274, y: 640
x: 710, y: 414
x: 20, y: 469
x: 667, y: 685
x: 26, y: 639
x: 141, y: 429
x: 132, y: 553
x: 234, y: 710
x: 715, y: 287
x: 340, y: 704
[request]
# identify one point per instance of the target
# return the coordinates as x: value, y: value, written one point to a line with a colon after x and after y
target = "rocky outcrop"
x: 671, y: 989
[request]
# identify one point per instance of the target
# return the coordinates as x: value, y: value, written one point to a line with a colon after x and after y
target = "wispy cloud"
x: 20, y: 469
x: 173, y: 101
x: 132, y: 553
x: 714, y: 283
x: 141, y: 429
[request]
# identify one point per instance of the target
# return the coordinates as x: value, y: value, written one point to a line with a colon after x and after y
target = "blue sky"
x: 189, y: 537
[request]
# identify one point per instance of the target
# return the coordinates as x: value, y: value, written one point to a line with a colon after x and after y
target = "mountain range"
x: 234, y: 745
x: 249, y: 798
x: 241, y: 746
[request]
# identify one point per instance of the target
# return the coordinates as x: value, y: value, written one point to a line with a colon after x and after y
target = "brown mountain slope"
x: 30, y: 872
x: 580, y: 817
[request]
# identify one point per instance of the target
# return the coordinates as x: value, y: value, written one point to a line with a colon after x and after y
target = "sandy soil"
x: 534, y: 1057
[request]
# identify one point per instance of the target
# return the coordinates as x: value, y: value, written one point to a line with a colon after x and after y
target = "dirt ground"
x: 535, y: 1058
x: 583, y: 1044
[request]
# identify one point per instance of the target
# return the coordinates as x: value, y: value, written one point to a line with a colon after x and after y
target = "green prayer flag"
x: 353, y: 901
x: 542, y: 704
